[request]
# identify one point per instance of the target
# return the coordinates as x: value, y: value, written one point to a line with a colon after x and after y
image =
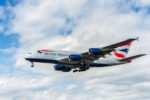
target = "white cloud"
x: 143, y: 3
x: 97, y: 23
x: 70, y: 87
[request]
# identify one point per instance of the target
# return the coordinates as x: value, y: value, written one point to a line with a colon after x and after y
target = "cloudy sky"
x: 76, y: 25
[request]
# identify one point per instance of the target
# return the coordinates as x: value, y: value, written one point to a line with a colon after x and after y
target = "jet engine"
x: 62, y: 68
x: 95, y: 51
x: 75, y: 57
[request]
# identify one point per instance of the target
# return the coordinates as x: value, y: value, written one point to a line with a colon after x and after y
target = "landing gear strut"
x: 81, y: 69
x: 32, y: 64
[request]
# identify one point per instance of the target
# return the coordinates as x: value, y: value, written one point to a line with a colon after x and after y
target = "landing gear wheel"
x: 75, y: 70
x: 80, y: 70
x: 32, y: 65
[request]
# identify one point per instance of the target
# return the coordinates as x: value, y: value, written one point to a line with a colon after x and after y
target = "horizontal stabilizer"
x: 133, y: 57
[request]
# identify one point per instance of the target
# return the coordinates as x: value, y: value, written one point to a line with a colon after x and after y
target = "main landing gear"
x: 81, y: 68
x: 76, y: 70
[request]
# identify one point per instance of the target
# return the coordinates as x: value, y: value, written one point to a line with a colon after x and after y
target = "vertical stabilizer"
x: 122, y: 51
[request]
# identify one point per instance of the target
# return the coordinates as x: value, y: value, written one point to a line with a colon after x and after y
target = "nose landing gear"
x: 32, y: 64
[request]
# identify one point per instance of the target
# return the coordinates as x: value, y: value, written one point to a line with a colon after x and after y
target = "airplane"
x: 66, y: 61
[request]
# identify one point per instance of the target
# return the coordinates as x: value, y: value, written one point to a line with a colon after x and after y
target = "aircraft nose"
x: 28, y: 56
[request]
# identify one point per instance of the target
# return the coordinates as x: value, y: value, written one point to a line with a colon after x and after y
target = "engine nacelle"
x: 62, y: 68
x: 95, y: 51
x: 66, y: 69
x: 59, y: 67
x: 75, y: 57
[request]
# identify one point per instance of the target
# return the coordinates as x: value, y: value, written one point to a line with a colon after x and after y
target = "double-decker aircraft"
x: 66, y: 61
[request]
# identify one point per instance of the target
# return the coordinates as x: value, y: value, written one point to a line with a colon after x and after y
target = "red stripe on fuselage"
x: 46, y: 51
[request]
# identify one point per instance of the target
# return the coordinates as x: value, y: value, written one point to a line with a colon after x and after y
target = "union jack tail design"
x: 122, y: 51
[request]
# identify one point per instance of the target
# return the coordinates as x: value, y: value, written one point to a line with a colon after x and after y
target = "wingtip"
x: 143, y: 54
x: 137, y: 38
x: 133, y: 39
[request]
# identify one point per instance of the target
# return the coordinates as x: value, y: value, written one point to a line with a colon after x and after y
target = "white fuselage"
x: 54, y: 56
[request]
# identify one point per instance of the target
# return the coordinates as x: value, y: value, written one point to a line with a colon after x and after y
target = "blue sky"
x: 9, y: 2
x: 7, y: 40
x: 72, y: 25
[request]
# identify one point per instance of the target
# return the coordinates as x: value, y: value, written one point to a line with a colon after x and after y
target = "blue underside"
x: 57, y: 62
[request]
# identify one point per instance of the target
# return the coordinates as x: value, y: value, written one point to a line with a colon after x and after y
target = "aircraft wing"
x: 106, y: 50
x: 88, y: 57
x: 120, y: 43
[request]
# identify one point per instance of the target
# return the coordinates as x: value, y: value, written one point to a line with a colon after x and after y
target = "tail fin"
x: 122, y: 51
